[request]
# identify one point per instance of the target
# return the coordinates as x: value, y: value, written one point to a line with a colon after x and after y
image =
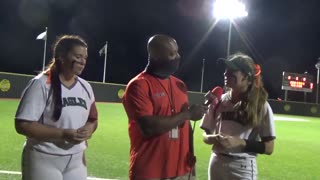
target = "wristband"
x: 255, y: 146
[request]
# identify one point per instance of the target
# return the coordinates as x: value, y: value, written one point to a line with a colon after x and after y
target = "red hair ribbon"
x: 258, y: 70
x: 257, y: 74
x: 49, y: 76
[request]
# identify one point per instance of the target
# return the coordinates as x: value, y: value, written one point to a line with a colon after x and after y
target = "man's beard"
x: 163, y: 68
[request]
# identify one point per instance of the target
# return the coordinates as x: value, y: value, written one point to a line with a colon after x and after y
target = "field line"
x: 290, y: 119
x: 9, y: 172
x: 18, y: 173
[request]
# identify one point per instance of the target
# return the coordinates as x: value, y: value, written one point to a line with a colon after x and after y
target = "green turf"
x: 295, y: 157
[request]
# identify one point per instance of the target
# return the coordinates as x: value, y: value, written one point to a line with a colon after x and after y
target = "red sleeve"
x: 93, y: 114
x: 137, y: 100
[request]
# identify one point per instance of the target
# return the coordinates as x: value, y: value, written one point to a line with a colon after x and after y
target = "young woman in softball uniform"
x: 57, y: 114
x: 241, y: 125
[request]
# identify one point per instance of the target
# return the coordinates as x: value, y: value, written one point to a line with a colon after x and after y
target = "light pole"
x: 229, y: 39
x: 229, y: 9
x: 104, y: 50
x: 202, y: 74
x: 318, y: 67
x: 43, y: 36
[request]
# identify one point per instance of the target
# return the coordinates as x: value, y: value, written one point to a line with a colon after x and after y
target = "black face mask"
x: 163, y: 68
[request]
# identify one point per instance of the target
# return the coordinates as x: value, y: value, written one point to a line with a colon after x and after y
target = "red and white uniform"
x: 235, y: 164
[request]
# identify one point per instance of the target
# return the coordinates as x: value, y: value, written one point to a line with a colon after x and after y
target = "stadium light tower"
x: 318, y: 73
x: 229, y: 9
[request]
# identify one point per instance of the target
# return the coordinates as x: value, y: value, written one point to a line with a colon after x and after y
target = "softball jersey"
x: 78, y: 105
x: 225, y: 117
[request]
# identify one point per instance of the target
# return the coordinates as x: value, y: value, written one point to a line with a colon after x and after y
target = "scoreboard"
x: 297, y: 82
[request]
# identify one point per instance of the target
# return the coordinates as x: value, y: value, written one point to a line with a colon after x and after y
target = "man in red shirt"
x: 157, y: 107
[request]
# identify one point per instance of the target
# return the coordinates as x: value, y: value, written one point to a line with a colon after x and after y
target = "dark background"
x: 281, y: 35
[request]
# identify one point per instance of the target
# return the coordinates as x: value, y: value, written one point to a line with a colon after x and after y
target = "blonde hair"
x: 252, y: 106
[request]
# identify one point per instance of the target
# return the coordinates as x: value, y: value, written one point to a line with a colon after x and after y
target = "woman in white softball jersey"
x: 57, y: 114
x: 241, y: 125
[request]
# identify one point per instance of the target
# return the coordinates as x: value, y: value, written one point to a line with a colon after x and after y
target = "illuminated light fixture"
x: 229, y: 9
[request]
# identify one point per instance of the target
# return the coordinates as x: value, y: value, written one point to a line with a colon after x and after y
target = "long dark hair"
x: 62, y: 46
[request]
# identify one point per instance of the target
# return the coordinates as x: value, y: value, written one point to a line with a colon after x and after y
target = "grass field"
x: 296, y: 155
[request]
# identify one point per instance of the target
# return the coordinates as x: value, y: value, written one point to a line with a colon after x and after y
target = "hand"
x: 196, y: 111
x: 213, y: 138
x: 231, y: 142
x: 72, y: 136
x: 85, y: 132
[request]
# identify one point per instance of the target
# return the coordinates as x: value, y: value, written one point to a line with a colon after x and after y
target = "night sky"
x: 281, y: 35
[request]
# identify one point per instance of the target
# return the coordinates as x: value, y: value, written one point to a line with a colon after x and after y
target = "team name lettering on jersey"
x: 232, y: 116
x: 73, y: 101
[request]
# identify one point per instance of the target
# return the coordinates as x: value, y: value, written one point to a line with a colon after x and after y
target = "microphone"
x: 213, y: 96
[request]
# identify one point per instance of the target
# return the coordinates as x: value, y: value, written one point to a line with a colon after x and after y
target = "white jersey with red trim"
x: 78, y: 104
x: 226, y: 114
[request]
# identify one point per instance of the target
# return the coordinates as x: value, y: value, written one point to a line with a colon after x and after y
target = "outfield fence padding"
x: 12, y: 85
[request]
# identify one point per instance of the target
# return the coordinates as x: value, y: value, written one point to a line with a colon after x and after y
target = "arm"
x: 87, y: 130
x: 139, y: 107
x: 269, y: 145
x: 210, y: 139
x: 91, y: 125
x: 261, y: 147
x: 264, y: 147
x: 266, y: 132
x: 30, y: 109
x: 153, y: 125
x: 44, y: 133
x: 208, y: 124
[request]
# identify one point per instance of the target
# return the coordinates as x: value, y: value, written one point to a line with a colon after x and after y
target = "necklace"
x: 169, y: 94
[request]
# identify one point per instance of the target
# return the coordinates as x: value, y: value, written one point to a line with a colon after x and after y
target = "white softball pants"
x: 42, y: 166
x: 231, y: 168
